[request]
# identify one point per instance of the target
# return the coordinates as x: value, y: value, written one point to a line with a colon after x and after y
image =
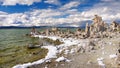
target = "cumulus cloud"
x: 45, y: 17
x: 56, y: 2
x: 70, y: 17
x: 72, y: 4
x: 109, y: 0
x: 21, y: 2
x: 108, y: 11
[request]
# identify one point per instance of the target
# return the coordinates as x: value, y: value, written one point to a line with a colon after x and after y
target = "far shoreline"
x: 14, y: 27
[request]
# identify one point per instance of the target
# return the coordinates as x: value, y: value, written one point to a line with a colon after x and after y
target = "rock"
x: 90, y: 46
x: 81, y: 49
x: 118, y: 61
x: 118, y: 50
x: 31, y: 46
x: 114, y: 26
x: 91, y: 43
x: 87, y: 30
x: 62, y: 59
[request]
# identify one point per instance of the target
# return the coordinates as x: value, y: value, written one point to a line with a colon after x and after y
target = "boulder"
x: 31, y: 46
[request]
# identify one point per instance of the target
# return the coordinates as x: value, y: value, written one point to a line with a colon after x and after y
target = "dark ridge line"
x: 22, y: 27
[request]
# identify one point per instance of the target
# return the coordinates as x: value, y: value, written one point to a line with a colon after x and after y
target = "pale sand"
x: 88, y: 59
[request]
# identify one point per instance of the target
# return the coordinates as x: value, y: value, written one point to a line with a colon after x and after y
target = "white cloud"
x: 3, y: 13
x: 21, y: 2
x: 109, y: 0
x: 56, y: 2
x: 70, y: 17
x: 108, y: 11
x: 70, y: 5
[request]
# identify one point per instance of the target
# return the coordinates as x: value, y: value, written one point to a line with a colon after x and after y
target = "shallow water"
x: 13, y: 47
x: 14, y: 37
x: 10, y: 37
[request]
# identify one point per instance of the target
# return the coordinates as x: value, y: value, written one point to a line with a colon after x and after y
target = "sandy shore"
x: 79, y: 53
x: 103, y: 56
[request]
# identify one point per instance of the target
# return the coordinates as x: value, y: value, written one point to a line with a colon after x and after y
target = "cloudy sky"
x: 56, y: 12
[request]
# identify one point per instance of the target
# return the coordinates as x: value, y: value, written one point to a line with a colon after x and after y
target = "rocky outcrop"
x: 87, y: 30
x: 34, y: 32
x: 98, y: 29
x: 90, y: 46
x: 114, y: 26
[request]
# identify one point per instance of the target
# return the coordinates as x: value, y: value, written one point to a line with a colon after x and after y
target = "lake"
x: 13, y: 48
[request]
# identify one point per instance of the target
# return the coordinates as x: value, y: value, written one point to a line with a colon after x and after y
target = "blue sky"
x: 18, y: 8
x: 56, y: 12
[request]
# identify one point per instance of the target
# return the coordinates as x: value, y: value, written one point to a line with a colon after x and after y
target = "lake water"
x: 12, y: 47
x: 13, y: 37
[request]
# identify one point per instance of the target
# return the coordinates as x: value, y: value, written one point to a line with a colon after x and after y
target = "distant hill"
x: 19, y: 27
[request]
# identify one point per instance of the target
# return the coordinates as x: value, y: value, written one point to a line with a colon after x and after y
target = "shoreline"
x: 73, y: 46
x: 49, y: 56
x: 99, y: 41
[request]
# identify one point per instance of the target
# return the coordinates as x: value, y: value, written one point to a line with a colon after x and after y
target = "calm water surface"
x: 12, y: 47
x: 13, y: 37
